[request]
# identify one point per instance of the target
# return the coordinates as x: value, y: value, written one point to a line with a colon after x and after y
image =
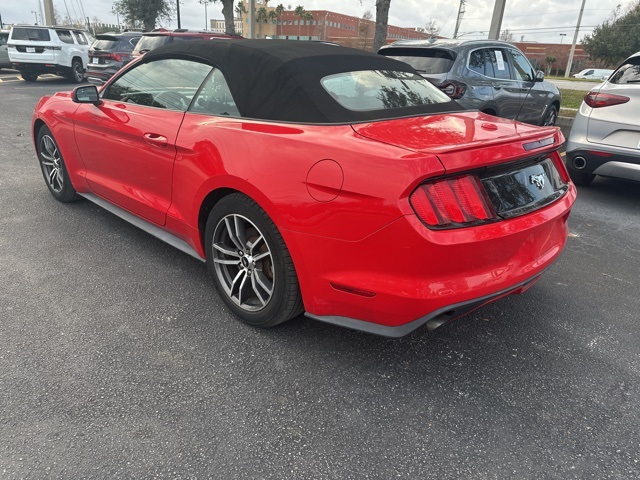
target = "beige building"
x: 217, y: 26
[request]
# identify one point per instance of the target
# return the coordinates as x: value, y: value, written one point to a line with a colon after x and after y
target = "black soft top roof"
x: 280, y: 79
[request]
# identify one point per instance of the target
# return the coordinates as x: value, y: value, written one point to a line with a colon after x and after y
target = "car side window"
x: 80, y: 38
x: 521, y: 66
x: 169, y: 83
x: 501, y: 68
x: 3, y: 39
x: 481, y: 61
x: 65, y: 36
x: 215, y: 97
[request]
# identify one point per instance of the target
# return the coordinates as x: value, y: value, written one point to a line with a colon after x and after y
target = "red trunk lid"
x: 464, y: 140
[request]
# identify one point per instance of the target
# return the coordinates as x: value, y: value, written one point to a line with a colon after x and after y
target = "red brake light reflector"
x: 599, y: 100
x: 452, y: 202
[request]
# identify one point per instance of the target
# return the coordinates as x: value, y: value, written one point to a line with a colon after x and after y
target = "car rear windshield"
x: 428, y: 60
x: 105, y: 43
x: 149, y: 42
x: 34, y: 34
x: 369, y: 90
x: 627, y: 73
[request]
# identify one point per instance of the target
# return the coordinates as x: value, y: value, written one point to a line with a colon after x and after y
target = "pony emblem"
x: 537, y: 180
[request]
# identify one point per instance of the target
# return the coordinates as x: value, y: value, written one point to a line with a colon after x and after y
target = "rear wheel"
x: 53, y: 167
x: 29, y: 76
x: 77, y: 72
x: 250, y: 263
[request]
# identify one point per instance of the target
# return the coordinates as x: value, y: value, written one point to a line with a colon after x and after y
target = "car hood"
x: 454, y: 133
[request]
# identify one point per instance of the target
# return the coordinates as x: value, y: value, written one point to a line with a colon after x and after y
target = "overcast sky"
x: 538, y: 21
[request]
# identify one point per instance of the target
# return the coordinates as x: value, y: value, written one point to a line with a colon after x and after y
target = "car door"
x: 533, y: 100
x: 127, y: 143
x: 508, y: 93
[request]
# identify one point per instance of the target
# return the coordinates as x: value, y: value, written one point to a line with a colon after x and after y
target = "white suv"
x: 34, y: 50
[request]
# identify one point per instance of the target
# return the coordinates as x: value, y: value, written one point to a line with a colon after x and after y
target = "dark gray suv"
x: 487, y: 75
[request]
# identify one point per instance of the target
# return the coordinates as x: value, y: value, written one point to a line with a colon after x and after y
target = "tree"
x: 432, y: 28
x: 145, y: 12
x: 616, y: 38
x: 550, y: 61
x: 382, y: 22
x: 299, y: 12
x: 507, y: 36
x: 308, y: 17
x: 261, y: 16
x: 273, y: 17
x: 279, y: 10
x: 241, y: 9
x: 366, y: 30
x: 227, y: 13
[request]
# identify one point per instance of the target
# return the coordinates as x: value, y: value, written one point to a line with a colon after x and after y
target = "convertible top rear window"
x: 381, y: 89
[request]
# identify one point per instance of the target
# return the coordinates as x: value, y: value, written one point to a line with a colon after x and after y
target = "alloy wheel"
x: 243, y: 262
x: 51, y: 163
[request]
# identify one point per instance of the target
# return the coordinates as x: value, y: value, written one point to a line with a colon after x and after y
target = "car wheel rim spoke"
x: 243, y: 263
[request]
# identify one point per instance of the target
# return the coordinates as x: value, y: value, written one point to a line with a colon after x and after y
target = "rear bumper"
x: 405, y: 275
x: 40, y: 68
x: 605, y: 162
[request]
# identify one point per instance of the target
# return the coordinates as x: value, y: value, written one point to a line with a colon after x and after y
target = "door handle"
x: 156, y: 140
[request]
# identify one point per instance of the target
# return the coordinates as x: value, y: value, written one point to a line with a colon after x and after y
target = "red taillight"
x: 453, y: 89
x: 452, y: 202
x: 115, y: 56
x: 598, y: 100
x: 560, y: 166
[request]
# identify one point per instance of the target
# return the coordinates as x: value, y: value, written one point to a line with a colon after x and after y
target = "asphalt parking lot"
x: 117, y: 360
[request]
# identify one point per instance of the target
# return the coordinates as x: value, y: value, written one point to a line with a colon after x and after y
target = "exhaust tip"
x: 579, y: 163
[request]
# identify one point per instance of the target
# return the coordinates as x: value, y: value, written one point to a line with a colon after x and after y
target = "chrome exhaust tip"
x: 579, y: 163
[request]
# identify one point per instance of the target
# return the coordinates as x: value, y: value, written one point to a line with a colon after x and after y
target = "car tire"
x: 250, y: 263
x: 77, y: 72
x: 53, y: 167
x: 550, y: 117
x: 29, y: 76
x: 581, y: 178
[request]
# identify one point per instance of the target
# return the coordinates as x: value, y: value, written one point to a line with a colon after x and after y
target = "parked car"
x: 487, y: 75
x: 109, y: 53
x: 605, y: 136
x: 157, y: 38
x: 594, y: 74
x: 35, y: 50
x: 330, y: 180
x: 4, y: 54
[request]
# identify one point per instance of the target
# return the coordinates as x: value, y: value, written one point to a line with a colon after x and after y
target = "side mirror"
x: 539, y: 76
x: 87, y: 94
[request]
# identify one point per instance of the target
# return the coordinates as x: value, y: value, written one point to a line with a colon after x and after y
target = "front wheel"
x: 250, y: 263
x: 77, y: 72
x: 53, y: 167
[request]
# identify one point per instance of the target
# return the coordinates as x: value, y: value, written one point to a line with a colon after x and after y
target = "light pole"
x: 575, y: 40
x: 178, y: 12
x: 562, y: 35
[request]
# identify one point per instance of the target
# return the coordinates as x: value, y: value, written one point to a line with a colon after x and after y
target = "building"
x: 324, y: 25
x: 218, y: 26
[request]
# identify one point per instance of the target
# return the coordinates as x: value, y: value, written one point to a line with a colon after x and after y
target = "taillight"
x: 598, y: 99
x: 560, y: 166
x: 453, y: 89
x: 115, y: 56
x: 452, y: 202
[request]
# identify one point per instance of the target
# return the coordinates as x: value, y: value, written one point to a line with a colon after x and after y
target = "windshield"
x: 381, y: 89
x: 428, y: 60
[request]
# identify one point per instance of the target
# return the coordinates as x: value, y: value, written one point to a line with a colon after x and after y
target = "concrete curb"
x: 565, y: 124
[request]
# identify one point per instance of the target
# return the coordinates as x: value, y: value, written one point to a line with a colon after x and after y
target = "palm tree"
x: 299, y: 12
x: 279, y: 10
x: 261, y: 16
x: 308, y: 16
x: 273, y: 16
x: 241, y: 9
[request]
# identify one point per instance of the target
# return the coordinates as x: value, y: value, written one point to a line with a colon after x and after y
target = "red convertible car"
x: 314, y: 178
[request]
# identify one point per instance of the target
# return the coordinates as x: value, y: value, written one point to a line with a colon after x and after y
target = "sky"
x: 537, y: 21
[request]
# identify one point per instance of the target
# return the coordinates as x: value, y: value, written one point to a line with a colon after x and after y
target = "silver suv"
x: 487, y: 75
x: 34, y: 50
x: 605, y: 136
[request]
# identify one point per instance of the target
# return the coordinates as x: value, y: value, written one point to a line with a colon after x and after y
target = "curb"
x: 565, y: 124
